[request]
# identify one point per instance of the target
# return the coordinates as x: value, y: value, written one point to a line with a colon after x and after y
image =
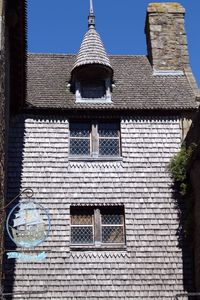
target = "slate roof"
x: 136, y: 88
x: 92, y: 50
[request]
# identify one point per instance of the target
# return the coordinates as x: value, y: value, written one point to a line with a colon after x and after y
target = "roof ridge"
x: 129, y: 55
x: 52, y: 54
x: 74, y: 54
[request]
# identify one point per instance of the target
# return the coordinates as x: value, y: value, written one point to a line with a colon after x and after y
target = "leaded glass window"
x: 108, y: 139
x: 82, y: 226
x: 112, y: 227
x: 80, y: 139
x: 95, y: 139
x: 97, y: 226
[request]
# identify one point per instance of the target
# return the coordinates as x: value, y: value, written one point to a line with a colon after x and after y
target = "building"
x: 12, y: 83
x: 93, y: 139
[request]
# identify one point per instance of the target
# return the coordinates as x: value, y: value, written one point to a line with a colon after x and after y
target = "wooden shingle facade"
x: 100, y: 166
x: 151, y: 264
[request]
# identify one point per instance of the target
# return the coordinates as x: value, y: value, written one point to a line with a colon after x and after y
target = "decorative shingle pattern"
x: 92, y: 50
x: 152, y: 266
x: 135, y: 86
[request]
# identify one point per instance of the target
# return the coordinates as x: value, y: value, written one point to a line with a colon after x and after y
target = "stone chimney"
x: 166, y: 37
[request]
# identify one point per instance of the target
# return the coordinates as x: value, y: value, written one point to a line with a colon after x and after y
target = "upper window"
x: 94, y: 90
x: 94, y: 139
x: 97, y: 91
x: 97, y: 226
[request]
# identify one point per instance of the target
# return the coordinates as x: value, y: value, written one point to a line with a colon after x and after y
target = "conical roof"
x: 92, y: 50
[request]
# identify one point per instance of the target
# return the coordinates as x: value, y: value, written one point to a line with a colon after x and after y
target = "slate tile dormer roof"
x: 92, y: 50
x: 136, y: 88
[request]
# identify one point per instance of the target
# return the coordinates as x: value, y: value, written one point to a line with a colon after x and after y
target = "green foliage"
x: 178, y: 167
x: 179, y: 170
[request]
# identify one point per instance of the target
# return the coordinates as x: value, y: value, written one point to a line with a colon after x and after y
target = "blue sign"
x: 27, y: 257
x: 28, y: 224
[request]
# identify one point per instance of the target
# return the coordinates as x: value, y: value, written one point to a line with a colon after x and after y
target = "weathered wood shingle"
x: 92, y: 50
x: 154, y: 266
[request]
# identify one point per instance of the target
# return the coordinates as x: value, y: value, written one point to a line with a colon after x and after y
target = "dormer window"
x: 92, y: 73
x: 93, y: 91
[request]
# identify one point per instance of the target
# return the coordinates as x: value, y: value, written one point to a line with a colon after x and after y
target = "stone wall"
x: 166, y: 37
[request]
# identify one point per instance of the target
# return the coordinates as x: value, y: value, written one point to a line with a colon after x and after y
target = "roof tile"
x: 92, y: 50
x: 135, y: 85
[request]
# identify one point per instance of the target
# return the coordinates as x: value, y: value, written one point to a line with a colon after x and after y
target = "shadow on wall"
x: 185, y: 244
x: 15, y: 157
x: 193, y: 137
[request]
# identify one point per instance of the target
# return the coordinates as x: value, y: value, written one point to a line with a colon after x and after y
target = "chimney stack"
x: 166, y: 37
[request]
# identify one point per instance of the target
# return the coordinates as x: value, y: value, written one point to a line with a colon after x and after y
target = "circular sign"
x: 28, y: 224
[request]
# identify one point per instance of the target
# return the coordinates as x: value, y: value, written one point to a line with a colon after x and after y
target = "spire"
x: 92, y: 51
x: 91, y: 7
x: 91, y: 17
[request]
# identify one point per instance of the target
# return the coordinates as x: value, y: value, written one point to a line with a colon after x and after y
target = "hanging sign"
x: 27, y: 257
x: 28, y: 225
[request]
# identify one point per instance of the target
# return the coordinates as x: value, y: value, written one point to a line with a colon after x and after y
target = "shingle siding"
x: 92, y: 50
x: 153, y: 265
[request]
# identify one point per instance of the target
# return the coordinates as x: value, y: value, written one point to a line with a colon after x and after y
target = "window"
x: 95, y: 139
x: 93, y: 91
x: 97, y: 226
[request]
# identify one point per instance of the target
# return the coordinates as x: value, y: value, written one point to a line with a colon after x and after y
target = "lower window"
x: 97, y: 226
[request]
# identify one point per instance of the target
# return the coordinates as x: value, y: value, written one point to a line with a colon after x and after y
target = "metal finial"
x: 91, y: 17
x: 91, y: 7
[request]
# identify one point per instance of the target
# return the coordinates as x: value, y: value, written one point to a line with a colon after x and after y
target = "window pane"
x: 80, y: 146
x: 81, y: 235
x: 108, y: 129
x: 81, y: 220
x: 93, y: 90
x: 112, y: 234
x: 80, y: 130
x: 108, y: 147
x: 112, y: 219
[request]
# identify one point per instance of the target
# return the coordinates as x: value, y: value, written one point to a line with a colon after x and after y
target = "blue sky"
x: 59, y: 26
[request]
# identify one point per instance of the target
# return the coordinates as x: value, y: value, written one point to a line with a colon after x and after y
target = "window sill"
x: 94, y: 101
x: 98, y: 248
x: 82, y: 158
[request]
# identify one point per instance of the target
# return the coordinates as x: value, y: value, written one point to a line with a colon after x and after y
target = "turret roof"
x: 92, y: 50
